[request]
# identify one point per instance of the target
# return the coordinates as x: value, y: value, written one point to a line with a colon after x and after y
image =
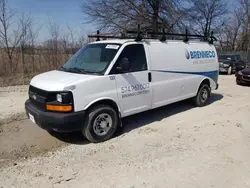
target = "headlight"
x: 59, y: 98
x: 225, y: 65
x: 60, y: 102
x: 63, y: 98
x: 239, y: 73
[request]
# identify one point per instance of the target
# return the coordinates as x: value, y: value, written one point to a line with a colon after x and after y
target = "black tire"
x: 51, y: 132
x: 238, y: 82
x: 199, y: 100
x: 91, y: 121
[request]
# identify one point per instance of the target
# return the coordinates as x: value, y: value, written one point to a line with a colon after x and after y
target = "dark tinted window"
x: 227, y: 57
x: 136, y: 56
x: 93, y: 58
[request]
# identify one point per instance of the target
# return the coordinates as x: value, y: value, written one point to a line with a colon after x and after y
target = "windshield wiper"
x: 76, y: 70
x: 62, y: 68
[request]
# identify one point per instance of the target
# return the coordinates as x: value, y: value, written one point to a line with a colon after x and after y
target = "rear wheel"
x: 101, y: 123
x: 202, y: 96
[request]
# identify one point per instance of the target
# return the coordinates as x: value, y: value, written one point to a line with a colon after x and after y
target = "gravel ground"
x: 174, y: 146
x: 12, y: 103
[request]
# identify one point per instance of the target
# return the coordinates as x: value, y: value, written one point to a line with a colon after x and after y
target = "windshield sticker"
x: 110, y: 46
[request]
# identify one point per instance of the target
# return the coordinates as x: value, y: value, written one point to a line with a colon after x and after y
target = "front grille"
x: 246, y: 78
x: 38, y: 97
x: 38, y: 91
x: 40, y: 106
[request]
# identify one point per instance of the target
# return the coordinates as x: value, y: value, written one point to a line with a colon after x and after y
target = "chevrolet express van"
x: 111, y: 79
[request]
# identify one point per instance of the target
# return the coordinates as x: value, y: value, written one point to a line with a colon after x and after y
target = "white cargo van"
x: 111, y: 79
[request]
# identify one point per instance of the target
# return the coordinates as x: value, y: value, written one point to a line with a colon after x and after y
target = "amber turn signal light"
x: 59, y: 108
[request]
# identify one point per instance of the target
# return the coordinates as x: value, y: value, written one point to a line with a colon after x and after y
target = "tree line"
x: 21, y: 52
x: 20, y: 49
x: 230, y: 21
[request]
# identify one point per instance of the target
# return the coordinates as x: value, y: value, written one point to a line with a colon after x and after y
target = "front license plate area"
x: 32, y: 118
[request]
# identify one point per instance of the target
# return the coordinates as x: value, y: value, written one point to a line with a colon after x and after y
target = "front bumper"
x: 240, y: 80
x: 60, y: 122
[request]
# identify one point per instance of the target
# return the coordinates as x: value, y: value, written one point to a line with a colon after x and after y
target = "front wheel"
x: 202, y: 96
x: 101, y: 124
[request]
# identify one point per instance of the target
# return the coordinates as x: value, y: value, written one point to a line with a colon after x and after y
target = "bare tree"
x: 54, y: 31
x: 64, y: 44
x: 12, y: 30
x: 229, y: 32
x: 74, y: 39
x: 31, y: 36
x: 245, y: 12
x: 80, y: 41
x: 52, y: 44
x: 117, y: 15
x: 112, y: 14
x: 71, y: 36
x: 29, y: 45
x: 207, y: 14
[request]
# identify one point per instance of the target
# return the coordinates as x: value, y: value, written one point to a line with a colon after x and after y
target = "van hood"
x: 56, y: 80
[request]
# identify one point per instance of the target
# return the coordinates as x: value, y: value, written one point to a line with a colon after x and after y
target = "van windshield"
x: 93, y: 58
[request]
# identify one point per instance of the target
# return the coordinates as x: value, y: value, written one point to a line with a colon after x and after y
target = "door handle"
x: 149, y: 77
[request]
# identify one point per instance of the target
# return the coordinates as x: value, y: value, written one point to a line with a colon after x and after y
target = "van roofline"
x: 123, y: 41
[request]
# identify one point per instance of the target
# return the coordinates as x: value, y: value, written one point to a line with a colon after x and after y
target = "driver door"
x: 133, y: 85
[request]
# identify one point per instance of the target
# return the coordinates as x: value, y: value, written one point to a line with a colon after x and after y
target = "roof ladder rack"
x: 140, y: 35
x: 98, y: 37
x: 186, y: 39
x: 163, y: 38
x: 212, y: 38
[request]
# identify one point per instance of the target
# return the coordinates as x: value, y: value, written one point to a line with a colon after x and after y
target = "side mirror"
x: 123, y: 65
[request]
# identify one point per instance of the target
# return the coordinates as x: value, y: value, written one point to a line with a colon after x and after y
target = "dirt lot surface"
x: 175, y: 146
x: 12, y: 100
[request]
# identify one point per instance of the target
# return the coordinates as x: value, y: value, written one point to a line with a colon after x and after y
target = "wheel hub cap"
x: 102, y: 124
x: 204, y: 95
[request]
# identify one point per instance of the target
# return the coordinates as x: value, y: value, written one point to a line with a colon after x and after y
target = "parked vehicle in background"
x: 231, y: 63
x: 246, y: 62
x: 243, y: 76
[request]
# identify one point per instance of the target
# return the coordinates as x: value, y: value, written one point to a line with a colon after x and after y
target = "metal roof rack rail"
x: 163, y: 37
x: 212, y: 38
x: 186, y: 39
x: 98, y: 36
x: 140, y: 35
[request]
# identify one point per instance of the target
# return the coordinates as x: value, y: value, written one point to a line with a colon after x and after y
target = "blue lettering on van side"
x: 134, y: 90
x: 202, y: 54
